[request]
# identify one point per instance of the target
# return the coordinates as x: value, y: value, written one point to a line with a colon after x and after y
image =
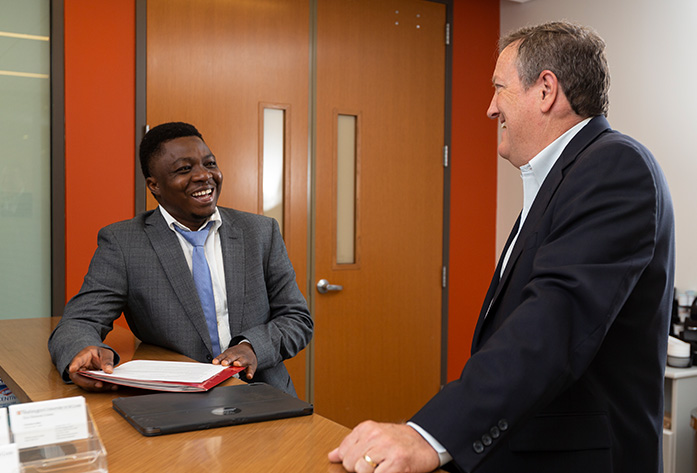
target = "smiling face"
x: 516, y: 109
x: 185, y: 180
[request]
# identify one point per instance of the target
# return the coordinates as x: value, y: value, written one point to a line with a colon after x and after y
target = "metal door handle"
x: 323, y: 286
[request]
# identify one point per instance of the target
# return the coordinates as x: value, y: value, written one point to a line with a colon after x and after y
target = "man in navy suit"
x: 143, y: 268
x: 568, y: 355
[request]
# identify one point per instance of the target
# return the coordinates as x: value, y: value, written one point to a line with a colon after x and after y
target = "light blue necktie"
x: 202, y: 280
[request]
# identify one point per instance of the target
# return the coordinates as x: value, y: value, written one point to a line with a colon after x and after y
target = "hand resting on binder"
x: 92, y: 358
x: 239, y: 355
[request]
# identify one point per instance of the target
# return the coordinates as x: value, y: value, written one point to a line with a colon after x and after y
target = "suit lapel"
x: 493, y: 289
x: 583, y: 138
x: 169, y: 252
x: 232, y: 245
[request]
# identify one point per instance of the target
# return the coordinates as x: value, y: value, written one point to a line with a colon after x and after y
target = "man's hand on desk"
x: 385, y: 448
x: 239, y: 355
x: 92, y: 358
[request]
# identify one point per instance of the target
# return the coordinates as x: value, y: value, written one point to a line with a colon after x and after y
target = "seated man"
x: 229, y: 298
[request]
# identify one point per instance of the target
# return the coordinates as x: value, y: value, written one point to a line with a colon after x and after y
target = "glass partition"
x: 25, y: 159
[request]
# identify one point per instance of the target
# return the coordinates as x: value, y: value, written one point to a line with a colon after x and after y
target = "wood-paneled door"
x: 376, y: 350
x: 377, y: 340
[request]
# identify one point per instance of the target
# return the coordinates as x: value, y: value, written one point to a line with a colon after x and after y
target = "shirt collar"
x: 171, y: 221
x: 542, y: 163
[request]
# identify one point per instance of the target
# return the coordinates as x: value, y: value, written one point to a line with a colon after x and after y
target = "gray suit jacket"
x: 139, y: 269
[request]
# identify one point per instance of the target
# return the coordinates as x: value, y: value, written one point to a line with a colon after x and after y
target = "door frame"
x: 446, y: 187
x: 141, y: 188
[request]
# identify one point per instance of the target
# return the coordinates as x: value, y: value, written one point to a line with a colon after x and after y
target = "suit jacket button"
x: 209, y: 358
x: 478, y: 447
x: 503, y: 424
x: 486, y: 440
x: 495, y: 432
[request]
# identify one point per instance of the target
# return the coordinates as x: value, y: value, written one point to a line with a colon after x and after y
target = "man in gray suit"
x: 143, y: 268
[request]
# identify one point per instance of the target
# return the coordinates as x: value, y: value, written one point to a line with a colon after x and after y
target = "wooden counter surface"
x: 299, y: 444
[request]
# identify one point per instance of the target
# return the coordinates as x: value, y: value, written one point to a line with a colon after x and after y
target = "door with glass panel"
x: 379, y: 201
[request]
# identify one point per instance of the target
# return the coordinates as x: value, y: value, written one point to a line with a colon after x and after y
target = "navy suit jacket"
x: 139, y: 269
x: 566, y: 371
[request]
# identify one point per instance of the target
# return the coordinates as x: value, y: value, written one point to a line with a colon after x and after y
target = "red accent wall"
x: 99, y: 125
x: 473, y: 173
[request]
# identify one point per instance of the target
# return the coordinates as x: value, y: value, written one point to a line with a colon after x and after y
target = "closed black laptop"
x: 168, y: 413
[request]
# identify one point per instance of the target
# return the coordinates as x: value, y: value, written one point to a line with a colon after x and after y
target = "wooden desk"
x: 299, y: 444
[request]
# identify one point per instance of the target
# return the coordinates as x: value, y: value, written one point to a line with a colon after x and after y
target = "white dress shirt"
x: 534, y: 173
x: 214, y: 256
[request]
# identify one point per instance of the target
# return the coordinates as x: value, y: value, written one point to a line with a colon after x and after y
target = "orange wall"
x: 473, y: 173
x: 99, y: 125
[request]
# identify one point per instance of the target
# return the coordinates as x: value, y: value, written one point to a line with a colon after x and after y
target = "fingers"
x: 89, y: 384
x: 239, y: 355
x: 334, y: 456
x: 385, y: 448
x: 106, y: 358
x: 368, y: 463
x: 352, y: 449
x: 92, y: 358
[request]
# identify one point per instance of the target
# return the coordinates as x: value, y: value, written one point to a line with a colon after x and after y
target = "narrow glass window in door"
x: 273, y: 164
x: 346, y: 195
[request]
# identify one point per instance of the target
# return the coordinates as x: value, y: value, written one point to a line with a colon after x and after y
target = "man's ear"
x: 153, y: 186
x: 549, y: 89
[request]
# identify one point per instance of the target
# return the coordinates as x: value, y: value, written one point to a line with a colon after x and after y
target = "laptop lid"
x: 168, y: 413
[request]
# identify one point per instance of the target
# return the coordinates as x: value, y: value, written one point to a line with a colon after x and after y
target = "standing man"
x: 250, y: 313
x: 568, y: 355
